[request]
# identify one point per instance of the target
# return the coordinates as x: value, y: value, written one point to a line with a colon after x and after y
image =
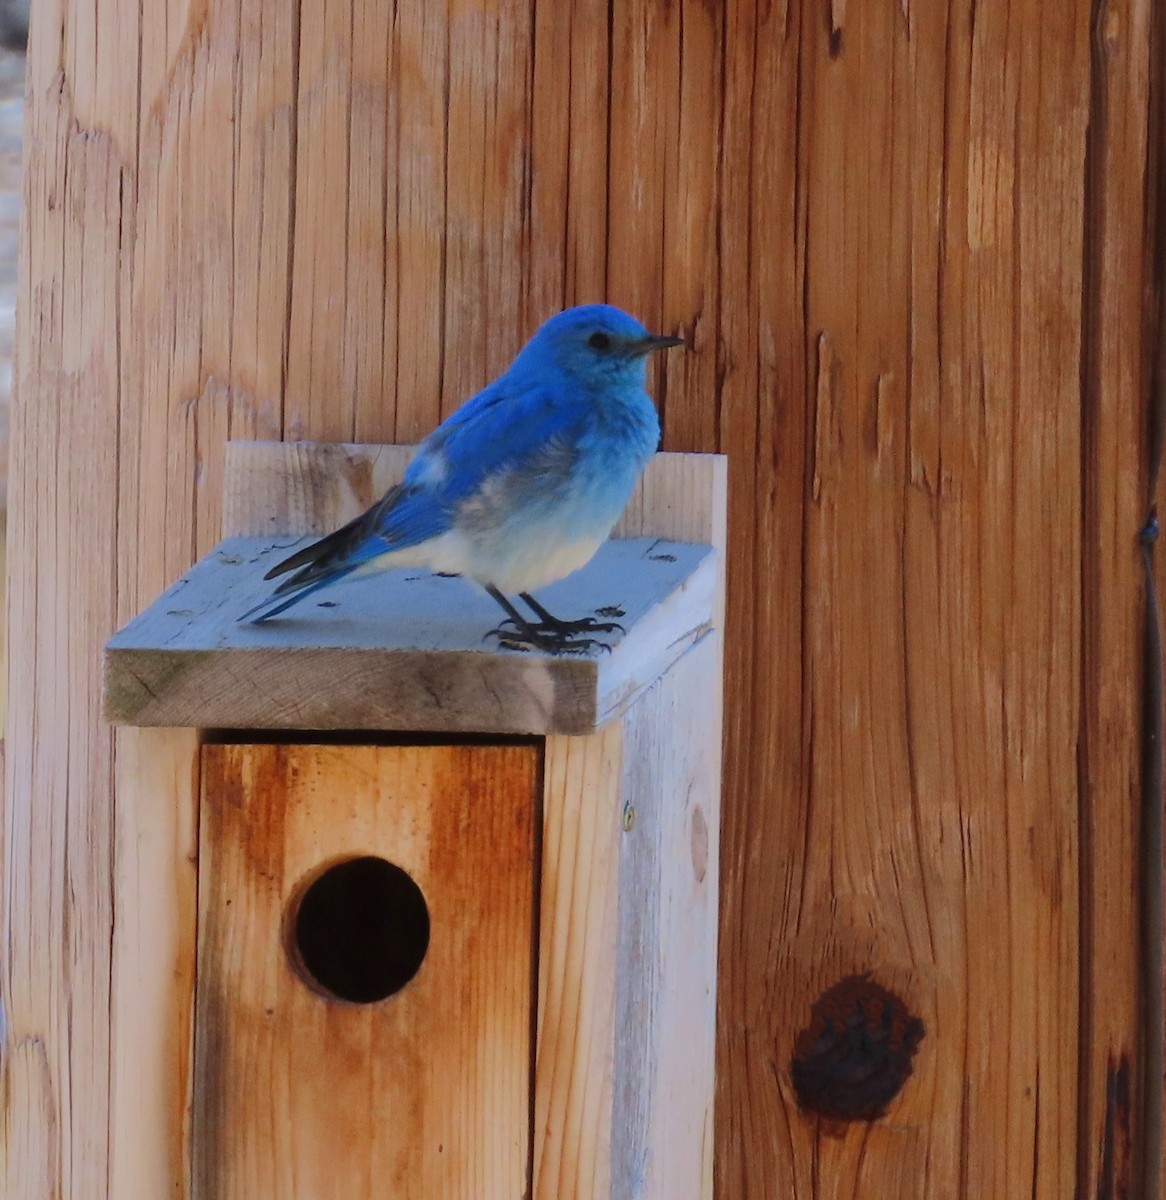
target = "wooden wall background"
x: 910, y: 244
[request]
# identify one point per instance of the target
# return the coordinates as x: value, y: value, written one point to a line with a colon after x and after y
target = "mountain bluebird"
x: 518, y: 487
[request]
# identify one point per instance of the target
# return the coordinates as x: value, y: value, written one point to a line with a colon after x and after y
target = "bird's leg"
x: 584, y: 625
x: 550, y: 635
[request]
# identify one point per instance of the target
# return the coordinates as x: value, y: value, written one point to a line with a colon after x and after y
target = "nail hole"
x: 358, y: 931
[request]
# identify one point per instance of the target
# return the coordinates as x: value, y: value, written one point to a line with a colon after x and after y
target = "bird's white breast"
x: 512, y: 564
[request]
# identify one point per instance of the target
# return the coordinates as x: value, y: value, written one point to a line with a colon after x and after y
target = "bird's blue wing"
x: 504, y: 429
x: 501, y: 429
x: 416, y: 514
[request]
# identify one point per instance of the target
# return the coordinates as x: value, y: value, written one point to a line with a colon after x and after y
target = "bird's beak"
x: 657, y: 341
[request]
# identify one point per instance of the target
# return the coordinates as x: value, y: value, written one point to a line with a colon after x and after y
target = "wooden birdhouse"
x: 456, y: 904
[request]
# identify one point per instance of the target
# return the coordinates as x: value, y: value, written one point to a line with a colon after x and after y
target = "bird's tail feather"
x: 323, y: 561
x: 339, y: 545
x: 300, y: 589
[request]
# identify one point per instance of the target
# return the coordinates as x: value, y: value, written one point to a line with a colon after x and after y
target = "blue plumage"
x: 518, y: 487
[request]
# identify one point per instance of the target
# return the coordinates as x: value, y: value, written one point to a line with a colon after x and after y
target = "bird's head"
x: 597, y: 344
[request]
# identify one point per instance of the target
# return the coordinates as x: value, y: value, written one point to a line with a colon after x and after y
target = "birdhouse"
x: 456, y: 904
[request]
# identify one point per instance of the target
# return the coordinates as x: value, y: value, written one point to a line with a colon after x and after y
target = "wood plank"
x: 425, y: 1094
x: 486, y: 195
x: 277, y: 489
x: 56, y: 911
x: 624, y: 1070
x: 577, y: 967
x: 901, y: 787
x: 405, y: 651
x: 319, y: 346
x: 1114, y: 423
x: 667, y: 66
x: 415, y: 249
x: 570, y: 166
x: 627, y: 948
x: 669, y: 884
x: 763, y: 356
x: 152, y: 1003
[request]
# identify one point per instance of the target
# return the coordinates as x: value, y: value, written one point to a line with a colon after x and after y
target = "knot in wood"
x: 853, y: 1058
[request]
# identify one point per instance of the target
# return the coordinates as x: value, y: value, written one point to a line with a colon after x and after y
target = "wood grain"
x: 58, y: 827
x: 578, y: 965
x: 152, y: 1000
x: 425, y: 1094
x: 1114, y: 425
x: 666, y: 1001
x: 627, y: 948
x: 906, y: 546
x: 904, y: 241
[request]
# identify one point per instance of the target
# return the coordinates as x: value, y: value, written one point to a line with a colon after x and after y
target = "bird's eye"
x: 599, y: 341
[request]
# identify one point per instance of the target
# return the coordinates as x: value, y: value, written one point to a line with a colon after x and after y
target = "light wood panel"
x: 55, y: 930
x: 665, y: 1015
x: 627, y: 948
x: 425, y: 1094
x: 295, y: 488
x: 152, y: 999
x: 578, y: 962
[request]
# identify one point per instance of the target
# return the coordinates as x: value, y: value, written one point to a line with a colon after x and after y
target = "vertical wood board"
x: 627, y: 948
x: 1115, y: 421
x: 154, y: 960
x: 425, y: 1094
x: 669, y: 877
x: 276, y: 488
x: 578, y: 965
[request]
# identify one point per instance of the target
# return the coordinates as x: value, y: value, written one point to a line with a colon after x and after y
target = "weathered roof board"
x: 403, y: 651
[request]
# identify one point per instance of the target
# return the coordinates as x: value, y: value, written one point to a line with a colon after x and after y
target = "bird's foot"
x: 552, y: 639
x: 570, y: 629
x: 549, y: 633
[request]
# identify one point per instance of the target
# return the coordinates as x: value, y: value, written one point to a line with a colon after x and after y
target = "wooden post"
x: 909, y: 245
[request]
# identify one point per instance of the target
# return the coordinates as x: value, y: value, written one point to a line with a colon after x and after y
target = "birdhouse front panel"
x: 330, y: 877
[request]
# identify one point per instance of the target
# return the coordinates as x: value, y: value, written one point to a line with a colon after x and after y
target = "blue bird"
x: 518, y: 487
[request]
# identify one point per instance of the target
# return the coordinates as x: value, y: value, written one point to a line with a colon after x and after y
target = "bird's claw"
x: 568, y: 629
x: 556, y: 642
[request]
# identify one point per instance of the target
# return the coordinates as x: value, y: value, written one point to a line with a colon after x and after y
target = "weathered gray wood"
x: 666, y: 948
x: 628, y: 944
x: 405, y: 650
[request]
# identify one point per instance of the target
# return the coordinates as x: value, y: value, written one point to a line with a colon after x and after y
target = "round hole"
x: 359, y: 930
